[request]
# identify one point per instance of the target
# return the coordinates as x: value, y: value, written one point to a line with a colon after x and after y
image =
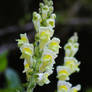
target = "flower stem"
x: 31, y: 85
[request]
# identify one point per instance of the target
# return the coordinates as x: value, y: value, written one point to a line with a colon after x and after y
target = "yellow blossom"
x: 63, y: 73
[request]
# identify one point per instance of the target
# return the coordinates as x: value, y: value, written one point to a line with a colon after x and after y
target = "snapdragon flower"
x: 72, y: 63
x: 36, y: 20
x: 75, y: 89
x: 63, y: 73
x: 51, y: 23
x: 43, y: 79
x: 72, y: 46
x: 40, y: 56
x: 23, y: 39
x: 63, y: 86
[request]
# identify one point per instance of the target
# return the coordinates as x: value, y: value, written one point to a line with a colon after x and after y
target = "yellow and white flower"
x: 23, y: 39
x: 27, y: 49
x: 71, y: 49
x: 36, y: 20
x: 43, y: 79
x: 27, y: 52
x: 72, y: 63
x: 51, y: 23
x: 75, y: 89
x: 47, y: 61
x: 72, y: 46
x: 54, y: 45
x: 27, y: 67
x: 50, y: 52
x: 45, y: 33
x: 63, y: 86
x: 63, y: 73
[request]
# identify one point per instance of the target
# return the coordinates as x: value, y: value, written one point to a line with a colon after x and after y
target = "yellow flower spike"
x: 54, y: 45
x: 72, y: 63
x: 63, y: 73
x: 23, y: 39
x: 63, y: 86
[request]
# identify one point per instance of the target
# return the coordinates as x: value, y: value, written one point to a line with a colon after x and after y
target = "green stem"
x: 31, y: 84
x: 30, y: 89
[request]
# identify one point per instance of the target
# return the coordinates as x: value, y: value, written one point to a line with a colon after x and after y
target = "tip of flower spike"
x: 48, y: 2
x: 74, y: 38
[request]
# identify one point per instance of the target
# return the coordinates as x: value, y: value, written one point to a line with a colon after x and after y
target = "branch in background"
x: 74, y: 9
x: 7, y: 47
x: 78, y: 21
x: 16, y: 29
x: 26, y: 28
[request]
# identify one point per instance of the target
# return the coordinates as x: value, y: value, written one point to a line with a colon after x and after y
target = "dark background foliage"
x: 72, y: 16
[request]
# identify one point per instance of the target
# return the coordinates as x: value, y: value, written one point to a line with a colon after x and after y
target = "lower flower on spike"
x: 47, y: 60
x: 75, y: 89
x: 72, y: 63
x: 43, y: 79
x: 63, y: 73
x: 63, y: 86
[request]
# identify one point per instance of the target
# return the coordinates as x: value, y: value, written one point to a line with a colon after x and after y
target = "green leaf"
x: 13, y: 81
x: 3, y: 61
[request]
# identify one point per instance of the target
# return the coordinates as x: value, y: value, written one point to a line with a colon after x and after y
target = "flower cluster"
x: 70, y: 66
x: 39, y: 57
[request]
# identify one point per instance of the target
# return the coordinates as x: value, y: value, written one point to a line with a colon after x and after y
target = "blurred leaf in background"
x: 12, y: 81
x: 89, y: 90
x: 3, y: 61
